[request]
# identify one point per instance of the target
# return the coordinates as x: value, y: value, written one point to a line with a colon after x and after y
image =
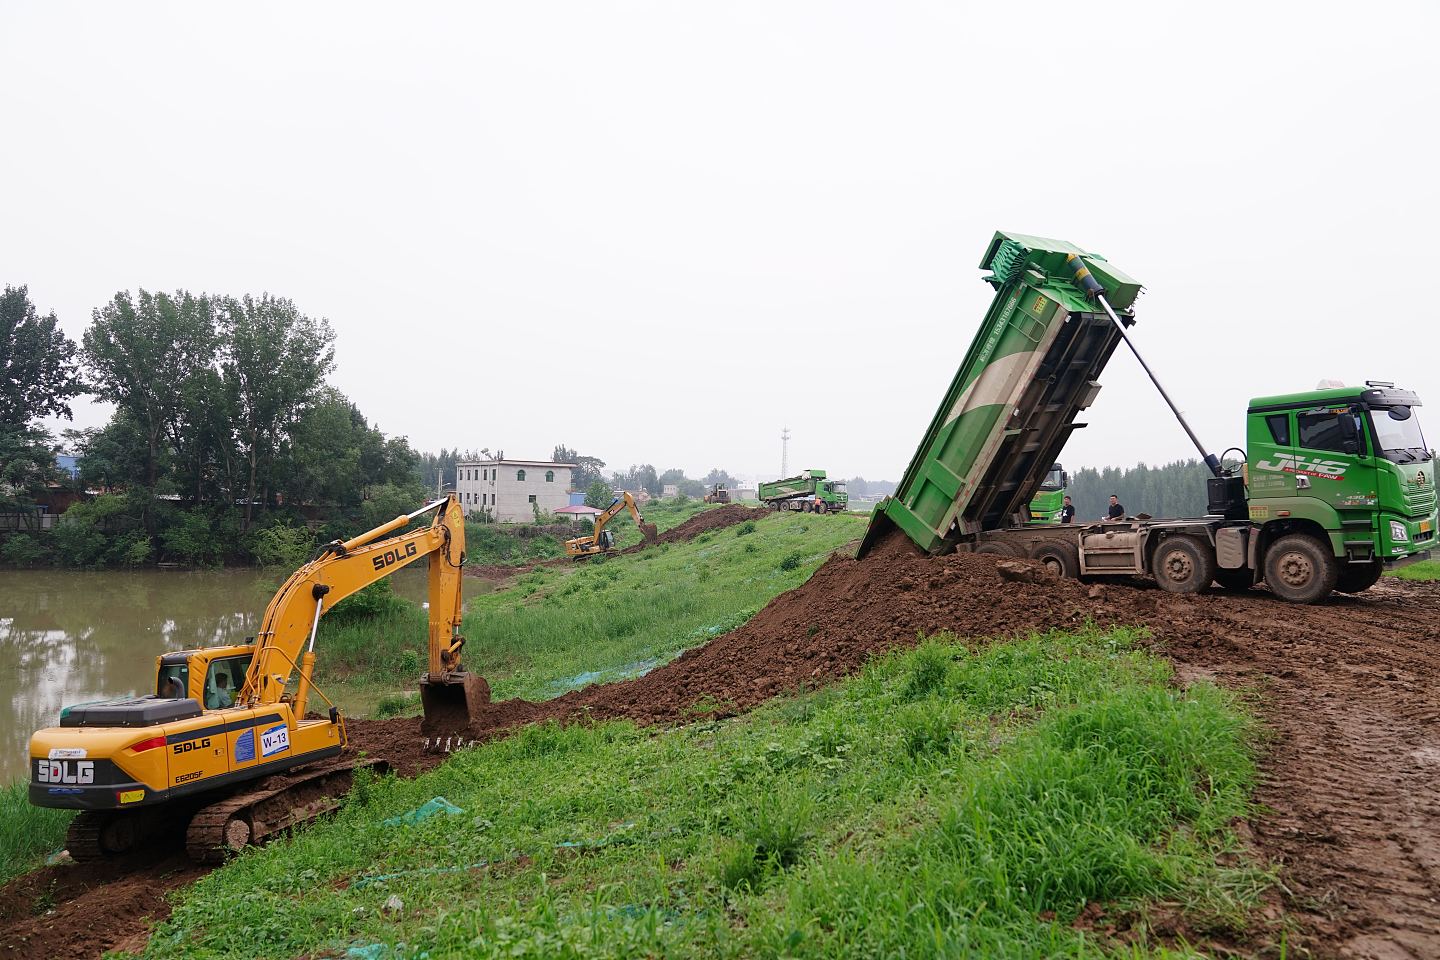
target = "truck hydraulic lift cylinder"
x: 1093, y: 291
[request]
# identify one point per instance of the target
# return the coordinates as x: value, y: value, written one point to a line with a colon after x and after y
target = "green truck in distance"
x: 810, y: 492
x: 1337, y: 485
x: 1047, y: 503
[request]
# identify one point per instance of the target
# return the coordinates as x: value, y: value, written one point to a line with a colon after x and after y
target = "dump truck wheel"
x: 1235, y: 581
x: 1300, y: 569
x: 994, y: 549
x: 1060, y: 559
x: 1183, y: 565
x: 1357, y: 577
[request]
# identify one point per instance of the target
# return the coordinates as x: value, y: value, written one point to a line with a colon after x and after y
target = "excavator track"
x: 82, y: 839
x: 224, y: 828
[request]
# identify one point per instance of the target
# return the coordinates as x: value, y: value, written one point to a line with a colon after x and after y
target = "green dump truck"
x: 811, y: 492
x: 1335, y: 486
x: 1049, y: 500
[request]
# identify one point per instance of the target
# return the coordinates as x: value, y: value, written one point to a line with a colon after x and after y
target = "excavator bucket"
x: 451, y: 703
x: 648, y: 532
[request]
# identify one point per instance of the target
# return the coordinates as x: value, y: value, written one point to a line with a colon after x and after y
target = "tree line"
x: 223, y: 426
x: 1175, y: 489
x: 226, y: 444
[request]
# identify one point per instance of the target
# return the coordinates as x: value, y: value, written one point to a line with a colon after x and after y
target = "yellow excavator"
x: 226, y: 747
x: 601, y: 540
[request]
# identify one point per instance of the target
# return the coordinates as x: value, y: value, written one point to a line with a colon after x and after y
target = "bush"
x: 377, y: 599
x: 282, y: 546
x: 745, y: 528
x: 395, y: 705
x: 23, y: 550
x: 792, y: 562
x: 191, y: 539
x: 79, y: 541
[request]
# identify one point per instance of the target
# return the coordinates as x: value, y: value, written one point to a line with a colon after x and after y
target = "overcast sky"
x: 661, y: 232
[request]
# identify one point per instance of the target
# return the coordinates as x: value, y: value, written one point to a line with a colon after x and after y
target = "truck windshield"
x: 1400, y: 440
x: 1054, y: 480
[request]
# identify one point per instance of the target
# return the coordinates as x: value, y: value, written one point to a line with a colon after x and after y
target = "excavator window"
x: 224, y: 678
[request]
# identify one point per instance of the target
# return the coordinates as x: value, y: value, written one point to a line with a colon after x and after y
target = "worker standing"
x: 1117, y: 512
x: 1067, y: 512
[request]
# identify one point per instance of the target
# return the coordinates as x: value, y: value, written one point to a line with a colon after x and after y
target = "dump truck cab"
x: 1047, y: 503
x: 1350, y: 466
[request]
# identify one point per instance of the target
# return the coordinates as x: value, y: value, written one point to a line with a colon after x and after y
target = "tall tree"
x: 717, y: 475
x: 143, y: 353
x: 274, y: 361
x: 38, y: 378
x: 587, y: 469
x: 38, y: 372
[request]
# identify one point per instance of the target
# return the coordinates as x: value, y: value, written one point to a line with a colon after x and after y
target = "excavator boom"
x: 226, y: 748
x: 601, y: 540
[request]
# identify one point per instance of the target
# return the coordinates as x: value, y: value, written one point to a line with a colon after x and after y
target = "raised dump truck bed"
x: 1033, y: 366
x: 1341, y: 481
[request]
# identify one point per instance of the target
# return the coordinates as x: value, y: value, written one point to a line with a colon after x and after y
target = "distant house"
x: 511, y: 490
x: 670, y: 490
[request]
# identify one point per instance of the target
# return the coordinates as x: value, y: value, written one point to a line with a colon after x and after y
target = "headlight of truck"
x: 1398, y: 533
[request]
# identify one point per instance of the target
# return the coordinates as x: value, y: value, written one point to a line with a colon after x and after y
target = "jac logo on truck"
x: 65, y: 771
x: 392, y: 556
x: 1304, y: 466
x: 189, y: 745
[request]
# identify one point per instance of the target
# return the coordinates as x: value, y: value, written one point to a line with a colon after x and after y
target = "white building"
x: 511, y: 490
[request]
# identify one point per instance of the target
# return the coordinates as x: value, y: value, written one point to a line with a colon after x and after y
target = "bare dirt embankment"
x: 1348, y: 690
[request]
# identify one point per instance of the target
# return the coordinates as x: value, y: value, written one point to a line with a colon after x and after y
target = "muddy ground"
x: 1349, y: 691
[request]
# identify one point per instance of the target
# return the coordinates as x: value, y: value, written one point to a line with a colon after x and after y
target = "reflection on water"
x: 69, y: 636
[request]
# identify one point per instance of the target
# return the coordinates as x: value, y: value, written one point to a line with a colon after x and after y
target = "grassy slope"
x: 1424, y: 570
x: 502, y: 544
x: 561, y: 627
x: 945, y: 803
x: 27, y: 833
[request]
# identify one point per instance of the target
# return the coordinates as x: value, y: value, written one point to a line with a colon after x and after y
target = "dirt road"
x: 1349, y: 690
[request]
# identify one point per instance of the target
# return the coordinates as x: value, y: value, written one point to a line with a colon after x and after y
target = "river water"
x: 69, y: 636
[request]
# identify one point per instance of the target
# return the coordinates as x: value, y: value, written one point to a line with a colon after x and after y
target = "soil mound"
x: 704, y: 521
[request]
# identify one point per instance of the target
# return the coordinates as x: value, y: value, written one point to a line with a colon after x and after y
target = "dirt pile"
x: 703, y: 522
x: 83, y: 910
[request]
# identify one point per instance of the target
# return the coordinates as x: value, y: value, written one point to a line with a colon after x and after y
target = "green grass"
x: 557, y: 628
x: 27, y: 834
x: 947, y: 802
x: 519, y: 544
x: 1424, y: 570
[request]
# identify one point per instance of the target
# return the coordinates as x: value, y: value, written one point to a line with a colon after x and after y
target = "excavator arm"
x: 286, y: 641
x: 600, y: 542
